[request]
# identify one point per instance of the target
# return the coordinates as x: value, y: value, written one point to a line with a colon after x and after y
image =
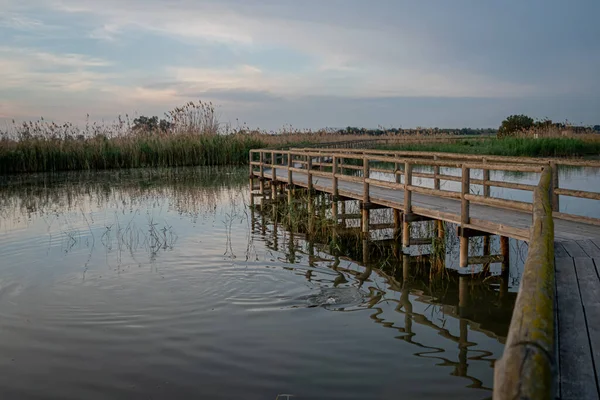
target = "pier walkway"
x: 553, y: 345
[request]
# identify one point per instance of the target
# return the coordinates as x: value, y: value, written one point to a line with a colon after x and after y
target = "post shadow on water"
x: 478, y: 297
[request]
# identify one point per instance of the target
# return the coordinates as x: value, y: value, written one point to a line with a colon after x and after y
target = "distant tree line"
x: 413, y: 131
x: 523, y: 124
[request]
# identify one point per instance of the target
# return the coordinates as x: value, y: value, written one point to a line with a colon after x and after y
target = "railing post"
x: 486, y: 180
x: 407, y: 204
x: 554, y: 185
x: 366, y: 198
x: 397, y: 176
x: 289, y: 171
x: 334, y: 180
x: 464, y: 216
x: 436, y: 173
x: 273, y: 170
x: 308, y: 172
x: 261, y: 181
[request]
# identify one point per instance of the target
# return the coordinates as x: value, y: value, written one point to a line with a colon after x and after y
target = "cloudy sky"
x: 305, y: 63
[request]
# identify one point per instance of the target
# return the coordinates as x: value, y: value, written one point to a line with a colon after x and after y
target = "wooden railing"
x: 349, y: 166
x: 555, y: 163
x: 526, y: 368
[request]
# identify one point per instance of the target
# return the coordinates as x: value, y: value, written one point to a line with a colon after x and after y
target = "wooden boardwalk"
x: 553, y: 347
x: 578, y: 318
x: 496, y: 220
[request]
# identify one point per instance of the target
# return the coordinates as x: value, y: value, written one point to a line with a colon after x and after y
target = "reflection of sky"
x: 96, y: 252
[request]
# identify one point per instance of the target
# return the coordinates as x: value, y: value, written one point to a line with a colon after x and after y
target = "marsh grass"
x: 514, y: 146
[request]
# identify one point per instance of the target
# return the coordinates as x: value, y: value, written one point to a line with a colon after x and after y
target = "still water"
x: 164, y: 284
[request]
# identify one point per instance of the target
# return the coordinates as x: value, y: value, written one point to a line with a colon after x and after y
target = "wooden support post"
x: 486, y: 179
x: 308, y: 173
x: 464, y: 216
x: 334, y: 203
x: 261, y: 182
x: 364, y: 222
x: 554, y: 185
x: 505, y: 252
x: 397, y: 176
x: 365, y: 183
x: 440, y: 229
x: 397, y: 225
x: 251, y: 167
x: 365, y: 212
x: 407, y: 204
x: 289, y: 171
x: 436, y: 174
x: 273, y: 169
x: 311, y: 215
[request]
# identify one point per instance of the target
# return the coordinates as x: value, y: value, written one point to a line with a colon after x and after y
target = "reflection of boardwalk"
x: 527, y: 368
x: 408, y: 276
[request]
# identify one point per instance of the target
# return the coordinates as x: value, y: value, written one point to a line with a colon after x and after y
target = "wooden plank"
x: 576, y: 367
x: 589, y: 285
x: 589, y: 247
x: 559, y: 251
x: 573, y: 249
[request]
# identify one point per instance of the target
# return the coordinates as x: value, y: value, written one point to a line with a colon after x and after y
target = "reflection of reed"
x: 191, y: 191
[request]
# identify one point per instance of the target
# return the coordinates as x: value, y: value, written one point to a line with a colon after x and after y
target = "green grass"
x: 515, y: 147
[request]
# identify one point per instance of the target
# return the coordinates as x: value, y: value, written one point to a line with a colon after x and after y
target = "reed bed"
x: 588, y: 146
x: 190, y: 135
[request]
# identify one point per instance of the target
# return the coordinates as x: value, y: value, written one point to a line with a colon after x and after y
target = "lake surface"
x: 162, y: 284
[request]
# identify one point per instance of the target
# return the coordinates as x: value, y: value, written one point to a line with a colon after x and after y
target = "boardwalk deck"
x: 577, y: 264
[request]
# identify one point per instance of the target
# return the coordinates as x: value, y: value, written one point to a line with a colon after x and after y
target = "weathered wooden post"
x: 554, y: 185
x: 251, y: 167
x: 407, y: 204
x: 289, y: 169
x: 366, y: 198
x: 397, y: 176
x: 273, y: 169
x: 309, y: 173
x: 440, y: 229
x: 290, y: 179
x: 334, y: 180
x: 436, y: 174
x: 486, y: 180
x: 464, y: 217
x: 261, y: 182
x: 505, y: 252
